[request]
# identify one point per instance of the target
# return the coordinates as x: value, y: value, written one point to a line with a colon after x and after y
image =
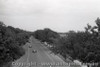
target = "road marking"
x: 28, y: 56
x: 27, y: 61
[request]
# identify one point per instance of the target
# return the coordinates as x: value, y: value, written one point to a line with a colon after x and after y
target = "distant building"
x: 63, y: 34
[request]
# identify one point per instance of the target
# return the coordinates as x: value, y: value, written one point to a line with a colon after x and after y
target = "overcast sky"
x: 59, y: 15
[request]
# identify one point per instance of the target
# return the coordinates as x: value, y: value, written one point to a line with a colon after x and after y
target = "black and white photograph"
x: 49, y: 33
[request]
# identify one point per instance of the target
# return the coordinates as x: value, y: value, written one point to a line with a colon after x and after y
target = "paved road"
x: 43, y: 57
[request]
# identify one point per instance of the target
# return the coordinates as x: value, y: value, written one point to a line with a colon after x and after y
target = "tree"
x: 11, y: 40
x: 46, y: 35
x: 2, y: 24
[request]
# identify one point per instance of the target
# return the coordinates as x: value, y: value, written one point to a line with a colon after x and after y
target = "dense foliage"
x: 81, y: 45
x: 11, y: 42
x: 46, y: 35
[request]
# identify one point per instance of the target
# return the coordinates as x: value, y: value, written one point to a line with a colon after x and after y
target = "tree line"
x: 11, y: 42
x: 46, y: 35
x: 81, y: 45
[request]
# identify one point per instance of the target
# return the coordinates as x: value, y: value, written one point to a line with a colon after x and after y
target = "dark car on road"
x: 30, y: 46
x: 34, y: 51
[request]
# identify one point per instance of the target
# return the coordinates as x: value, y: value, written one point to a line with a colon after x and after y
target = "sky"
x: 58, y: 15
